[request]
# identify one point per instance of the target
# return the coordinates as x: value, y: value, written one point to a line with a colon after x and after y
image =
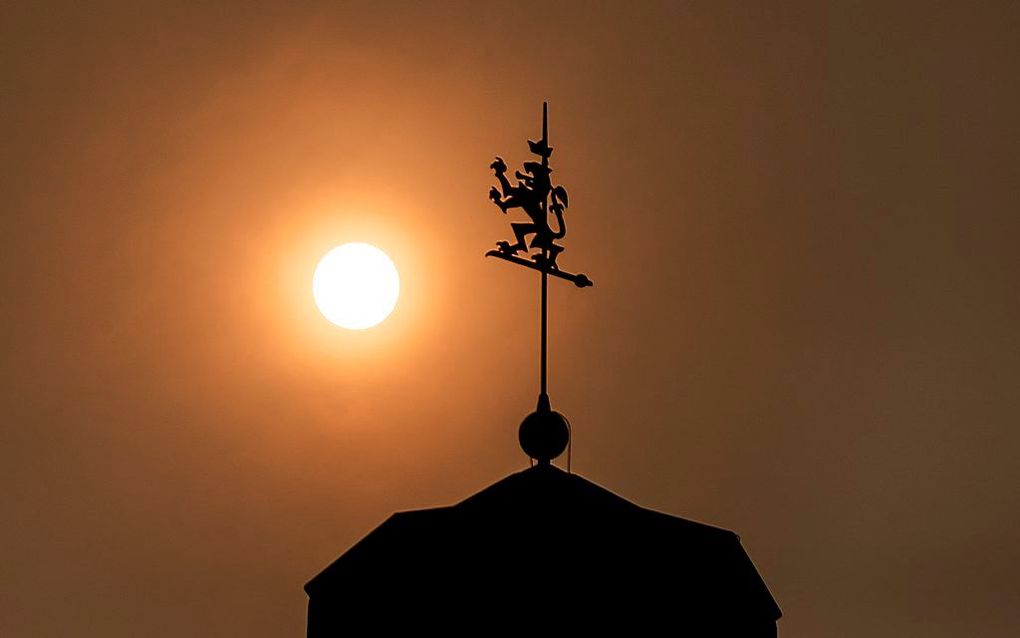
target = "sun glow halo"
x: 356, y: 286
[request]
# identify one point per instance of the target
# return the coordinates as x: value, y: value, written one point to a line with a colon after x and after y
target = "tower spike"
x: 545, y: 130
x: 544, y: 434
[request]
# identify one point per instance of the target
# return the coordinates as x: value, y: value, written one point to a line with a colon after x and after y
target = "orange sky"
x: 801, y: 222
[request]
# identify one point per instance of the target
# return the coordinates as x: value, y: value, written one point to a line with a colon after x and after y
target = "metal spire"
x: 544, y: 434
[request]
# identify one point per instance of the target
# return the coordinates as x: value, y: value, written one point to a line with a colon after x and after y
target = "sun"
x: 356, y: 286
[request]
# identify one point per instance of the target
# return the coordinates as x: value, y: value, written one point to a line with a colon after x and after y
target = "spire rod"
x: 545, y: 131
x: 544, y: 434
x: 543, y: 395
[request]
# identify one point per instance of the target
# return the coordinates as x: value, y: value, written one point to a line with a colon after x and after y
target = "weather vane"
x: 544, y: 434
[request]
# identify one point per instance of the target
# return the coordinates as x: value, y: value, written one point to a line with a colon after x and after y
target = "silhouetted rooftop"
x: 536, y: 543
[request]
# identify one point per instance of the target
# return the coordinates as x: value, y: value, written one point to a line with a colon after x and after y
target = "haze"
x: 801, y: 219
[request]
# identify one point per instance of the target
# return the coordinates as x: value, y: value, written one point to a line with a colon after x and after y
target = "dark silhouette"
x: 543, y: 434
x: 534, y: 194
x: 544, y: 549
x: 530, y: 195
x: 536, y: 263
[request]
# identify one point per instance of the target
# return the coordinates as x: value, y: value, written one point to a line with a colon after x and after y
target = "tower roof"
x: 544, y: 534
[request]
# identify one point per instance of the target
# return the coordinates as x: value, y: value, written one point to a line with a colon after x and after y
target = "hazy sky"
x: 801, y: 220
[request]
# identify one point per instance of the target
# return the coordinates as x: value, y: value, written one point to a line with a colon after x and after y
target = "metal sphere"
x: 544, y: 435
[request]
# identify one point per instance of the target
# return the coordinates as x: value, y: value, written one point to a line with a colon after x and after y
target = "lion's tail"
x: 559, y: 202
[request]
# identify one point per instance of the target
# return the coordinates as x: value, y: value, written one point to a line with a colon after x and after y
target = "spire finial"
x: 544, y: 434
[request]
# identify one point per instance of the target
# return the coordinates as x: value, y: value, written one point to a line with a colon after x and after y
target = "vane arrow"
x: 578, y: 280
